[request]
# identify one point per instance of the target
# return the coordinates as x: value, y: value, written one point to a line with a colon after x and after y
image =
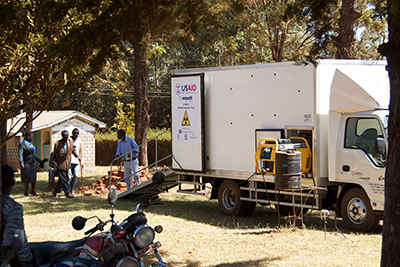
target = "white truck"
x: 335, y: 109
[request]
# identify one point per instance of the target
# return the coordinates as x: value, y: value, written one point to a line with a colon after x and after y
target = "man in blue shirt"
x: 131, y: 163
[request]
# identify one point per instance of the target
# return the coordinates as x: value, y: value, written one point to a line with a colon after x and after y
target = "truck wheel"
x: 356, y: 211
x: 229, y: 200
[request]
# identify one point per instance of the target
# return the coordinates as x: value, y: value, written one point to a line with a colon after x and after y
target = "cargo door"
x: 187, y: 107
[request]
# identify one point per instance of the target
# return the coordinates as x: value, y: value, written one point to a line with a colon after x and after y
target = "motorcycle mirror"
x: 158, y: 178
x: 112, y: 196
x: 78, y: 222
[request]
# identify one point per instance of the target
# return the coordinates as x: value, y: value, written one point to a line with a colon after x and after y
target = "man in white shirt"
x: 74, y: 171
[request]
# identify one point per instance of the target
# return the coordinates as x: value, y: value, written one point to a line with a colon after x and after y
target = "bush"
x: 106, y: 146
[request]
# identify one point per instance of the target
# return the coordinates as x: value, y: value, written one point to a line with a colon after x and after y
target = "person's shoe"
x: 70, y: 196
x: 54, y: 195
x: 26, y: 194
x: 34, y: 194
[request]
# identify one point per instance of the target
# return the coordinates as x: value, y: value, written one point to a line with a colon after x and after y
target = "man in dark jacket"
x: 61, y: 159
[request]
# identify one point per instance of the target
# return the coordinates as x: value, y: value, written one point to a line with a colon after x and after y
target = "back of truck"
x: 216, y: 127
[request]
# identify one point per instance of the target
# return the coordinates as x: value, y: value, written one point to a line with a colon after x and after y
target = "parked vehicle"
x: 230, y: 123
x: 124, y: 244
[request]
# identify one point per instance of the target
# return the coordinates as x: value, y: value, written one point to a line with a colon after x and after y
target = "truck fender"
x: 343, y: 189
x: 340, y: 193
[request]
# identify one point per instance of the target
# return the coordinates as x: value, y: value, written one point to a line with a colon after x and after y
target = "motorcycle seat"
x: 52, y: 251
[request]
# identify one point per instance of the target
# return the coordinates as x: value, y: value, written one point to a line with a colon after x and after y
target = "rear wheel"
x: 229, y: 200
x: 356, y: 211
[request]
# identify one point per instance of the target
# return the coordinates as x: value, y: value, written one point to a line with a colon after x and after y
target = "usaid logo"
x: 189, y: 88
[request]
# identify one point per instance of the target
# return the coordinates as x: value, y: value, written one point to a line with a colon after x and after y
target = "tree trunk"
x: 28, y: 114
x: 391, y: 226
x: 345, y: 40
x: 3, y: 158
x: 3, y: 148
x: 142, y: 120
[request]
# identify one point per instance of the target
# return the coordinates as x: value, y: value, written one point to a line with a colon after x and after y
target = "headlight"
x: 127, y: 262
x: 144, y: 236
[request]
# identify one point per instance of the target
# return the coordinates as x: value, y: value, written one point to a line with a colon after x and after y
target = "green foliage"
x: 44, y: 50
x: 164, y: 134
x: 112, y: 135
x: 125, y: 118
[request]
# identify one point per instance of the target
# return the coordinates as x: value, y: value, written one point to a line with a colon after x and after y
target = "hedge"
x: 105, y: 151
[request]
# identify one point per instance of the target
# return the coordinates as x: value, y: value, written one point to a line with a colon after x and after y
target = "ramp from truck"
x: 148, y: 189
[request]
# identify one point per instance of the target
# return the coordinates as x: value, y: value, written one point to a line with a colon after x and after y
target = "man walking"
x: 131, y: 164
x: 63, y: 149
x: 74, y: 171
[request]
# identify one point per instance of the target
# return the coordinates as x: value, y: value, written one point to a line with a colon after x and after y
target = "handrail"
x: 130, y: 156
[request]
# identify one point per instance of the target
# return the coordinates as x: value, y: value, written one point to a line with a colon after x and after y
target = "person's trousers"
x: 62, y: 183
x: 52, y: 173
x: 73, y: 174
x: 131, y: 167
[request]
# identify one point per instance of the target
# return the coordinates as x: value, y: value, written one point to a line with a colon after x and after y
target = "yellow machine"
x: 267, y: 148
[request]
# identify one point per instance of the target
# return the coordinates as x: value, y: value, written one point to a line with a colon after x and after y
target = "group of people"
x: 62, y: 163
x: 65, y: 163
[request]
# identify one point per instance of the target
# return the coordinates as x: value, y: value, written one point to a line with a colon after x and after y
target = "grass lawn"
x: 197, y: 234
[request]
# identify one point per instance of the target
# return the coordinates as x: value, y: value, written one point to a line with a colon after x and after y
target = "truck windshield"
x: 366, y: 134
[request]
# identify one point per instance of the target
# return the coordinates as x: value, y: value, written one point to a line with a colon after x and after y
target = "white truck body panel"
x: 239, y: 100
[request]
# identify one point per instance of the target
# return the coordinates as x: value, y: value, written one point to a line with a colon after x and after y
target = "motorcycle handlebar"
x: 94, y: 229
x: 146, y: 202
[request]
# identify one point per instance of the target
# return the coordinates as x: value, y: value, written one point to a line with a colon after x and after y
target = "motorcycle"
x: 124, y: 244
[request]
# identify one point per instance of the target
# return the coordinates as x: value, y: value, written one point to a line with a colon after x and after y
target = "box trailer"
x: 226, y: 122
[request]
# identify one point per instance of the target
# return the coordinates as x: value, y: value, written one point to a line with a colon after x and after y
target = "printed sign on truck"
x: 186, y: 95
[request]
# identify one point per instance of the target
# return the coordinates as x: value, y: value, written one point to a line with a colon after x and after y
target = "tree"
x: 391, y: 226
x: 284, y: 36
x: 140, y: 23
x: 344, y: 41
x: 44, y: 50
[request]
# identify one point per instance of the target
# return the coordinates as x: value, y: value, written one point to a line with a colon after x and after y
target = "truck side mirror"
x: 380, y: 146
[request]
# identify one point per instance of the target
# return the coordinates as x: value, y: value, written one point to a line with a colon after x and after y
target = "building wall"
x: 12, y: 152
x: 87, y: 136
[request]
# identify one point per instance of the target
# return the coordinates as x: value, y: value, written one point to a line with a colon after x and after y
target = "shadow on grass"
x: 188, y: 263
x: 187, y: 207
x: 250, y: 263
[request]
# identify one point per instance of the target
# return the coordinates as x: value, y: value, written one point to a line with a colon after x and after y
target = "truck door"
x: 362, y: 153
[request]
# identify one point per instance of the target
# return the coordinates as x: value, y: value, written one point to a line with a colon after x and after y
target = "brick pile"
x: 117, y: 178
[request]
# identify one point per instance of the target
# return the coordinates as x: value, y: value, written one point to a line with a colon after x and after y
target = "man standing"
x: 63, y: 149
x: 131, y: 164
x: 73, y: 173
x: 12, y: 219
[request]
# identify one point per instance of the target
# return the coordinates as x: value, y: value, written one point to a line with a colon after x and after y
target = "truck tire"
x: 356, y: 211
x: 229, y: 200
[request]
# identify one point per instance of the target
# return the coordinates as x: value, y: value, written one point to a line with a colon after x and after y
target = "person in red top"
x: 61, y: 159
